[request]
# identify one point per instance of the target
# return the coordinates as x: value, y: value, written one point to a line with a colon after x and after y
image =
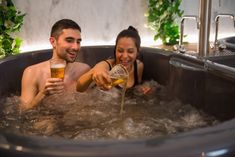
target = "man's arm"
x: 30, y: 95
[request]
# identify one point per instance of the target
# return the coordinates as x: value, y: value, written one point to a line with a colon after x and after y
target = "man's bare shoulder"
x: 37, y: 68
x: 77, y: 69
x: 81, y: 65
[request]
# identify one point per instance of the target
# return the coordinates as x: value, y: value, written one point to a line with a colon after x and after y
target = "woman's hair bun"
x: 131, y: 28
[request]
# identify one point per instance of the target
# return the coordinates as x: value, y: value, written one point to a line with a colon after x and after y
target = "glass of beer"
x: 57, y: 68
x: 118, y: 75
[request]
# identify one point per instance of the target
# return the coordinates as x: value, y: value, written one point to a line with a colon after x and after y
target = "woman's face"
x: 126, y: 52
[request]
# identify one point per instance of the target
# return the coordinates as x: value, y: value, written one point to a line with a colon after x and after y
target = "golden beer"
x: 118, y: 75
x: 57, y: 71
x: 57, y: 68
x: 116, y: 81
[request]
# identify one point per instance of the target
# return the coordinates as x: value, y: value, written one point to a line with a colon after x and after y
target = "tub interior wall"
x: 156, y: 61
x: 220, y: 95
x: 211, y: 91
x: 12, y: 67
x: 193, y: 85
x: 11, y: 70
x: 185, y: 84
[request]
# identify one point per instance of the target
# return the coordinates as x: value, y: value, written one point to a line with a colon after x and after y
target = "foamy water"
x: 95, y: 114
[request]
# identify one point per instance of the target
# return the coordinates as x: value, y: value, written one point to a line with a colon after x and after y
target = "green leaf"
x: 11, y: 20
x: 161, y: 18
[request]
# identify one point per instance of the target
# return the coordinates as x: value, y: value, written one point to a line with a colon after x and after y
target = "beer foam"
x: 58, y: 65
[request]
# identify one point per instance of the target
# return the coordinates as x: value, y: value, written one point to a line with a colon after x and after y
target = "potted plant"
x: 162, y: 16
x: 11, y: 21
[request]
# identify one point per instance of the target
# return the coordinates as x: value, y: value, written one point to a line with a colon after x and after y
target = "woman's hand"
x: 101, y: 77
x: 145, y: 89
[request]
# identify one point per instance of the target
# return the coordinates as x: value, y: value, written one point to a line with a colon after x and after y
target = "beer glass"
x: 57, y: 68
x: 118, y: 75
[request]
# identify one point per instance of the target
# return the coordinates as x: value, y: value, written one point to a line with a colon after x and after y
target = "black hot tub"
x: 187, y: 78
x: 229, y: 43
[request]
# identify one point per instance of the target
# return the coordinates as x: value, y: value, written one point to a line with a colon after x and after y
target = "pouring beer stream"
x: 119, y: 76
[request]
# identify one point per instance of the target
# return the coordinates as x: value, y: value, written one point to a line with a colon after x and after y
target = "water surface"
x: 95, y: 114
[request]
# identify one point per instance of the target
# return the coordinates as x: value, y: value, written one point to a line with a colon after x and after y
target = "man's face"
x: 67, y: 45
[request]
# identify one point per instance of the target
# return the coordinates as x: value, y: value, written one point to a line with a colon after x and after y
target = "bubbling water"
x: 95, y: 114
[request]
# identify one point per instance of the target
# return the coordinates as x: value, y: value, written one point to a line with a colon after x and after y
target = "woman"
x: 127, y: 49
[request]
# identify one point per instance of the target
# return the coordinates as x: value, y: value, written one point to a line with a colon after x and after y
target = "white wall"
x: 102, y: 20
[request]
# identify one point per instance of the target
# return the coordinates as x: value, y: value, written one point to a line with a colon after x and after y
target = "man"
x: 37, y: 82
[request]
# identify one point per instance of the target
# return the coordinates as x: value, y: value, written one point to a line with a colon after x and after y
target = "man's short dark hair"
x: 57, y: 28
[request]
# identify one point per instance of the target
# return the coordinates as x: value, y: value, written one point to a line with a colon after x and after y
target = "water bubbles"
x: 95, y: 114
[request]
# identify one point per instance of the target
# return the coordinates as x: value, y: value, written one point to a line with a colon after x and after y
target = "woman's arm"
x: 99, y: 74
x: 84, y: 81
x: 140, y: 66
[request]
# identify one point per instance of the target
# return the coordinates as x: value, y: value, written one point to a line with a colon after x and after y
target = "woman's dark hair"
x: 131, y: 32
x: 63, y: 24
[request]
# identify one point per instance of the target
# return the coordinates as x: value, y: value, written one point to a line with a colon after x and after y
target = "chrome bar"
x: 182, y: 26
x: 204, y: 24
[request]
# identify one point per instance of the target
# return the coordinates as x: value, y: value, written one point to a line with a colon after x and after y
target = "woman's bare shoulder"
x: 140, y: 63
x: 82, y: 65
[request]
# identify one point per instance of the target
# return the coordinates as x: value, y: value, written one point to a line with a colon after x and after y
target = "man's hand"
x: 53, y: 86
